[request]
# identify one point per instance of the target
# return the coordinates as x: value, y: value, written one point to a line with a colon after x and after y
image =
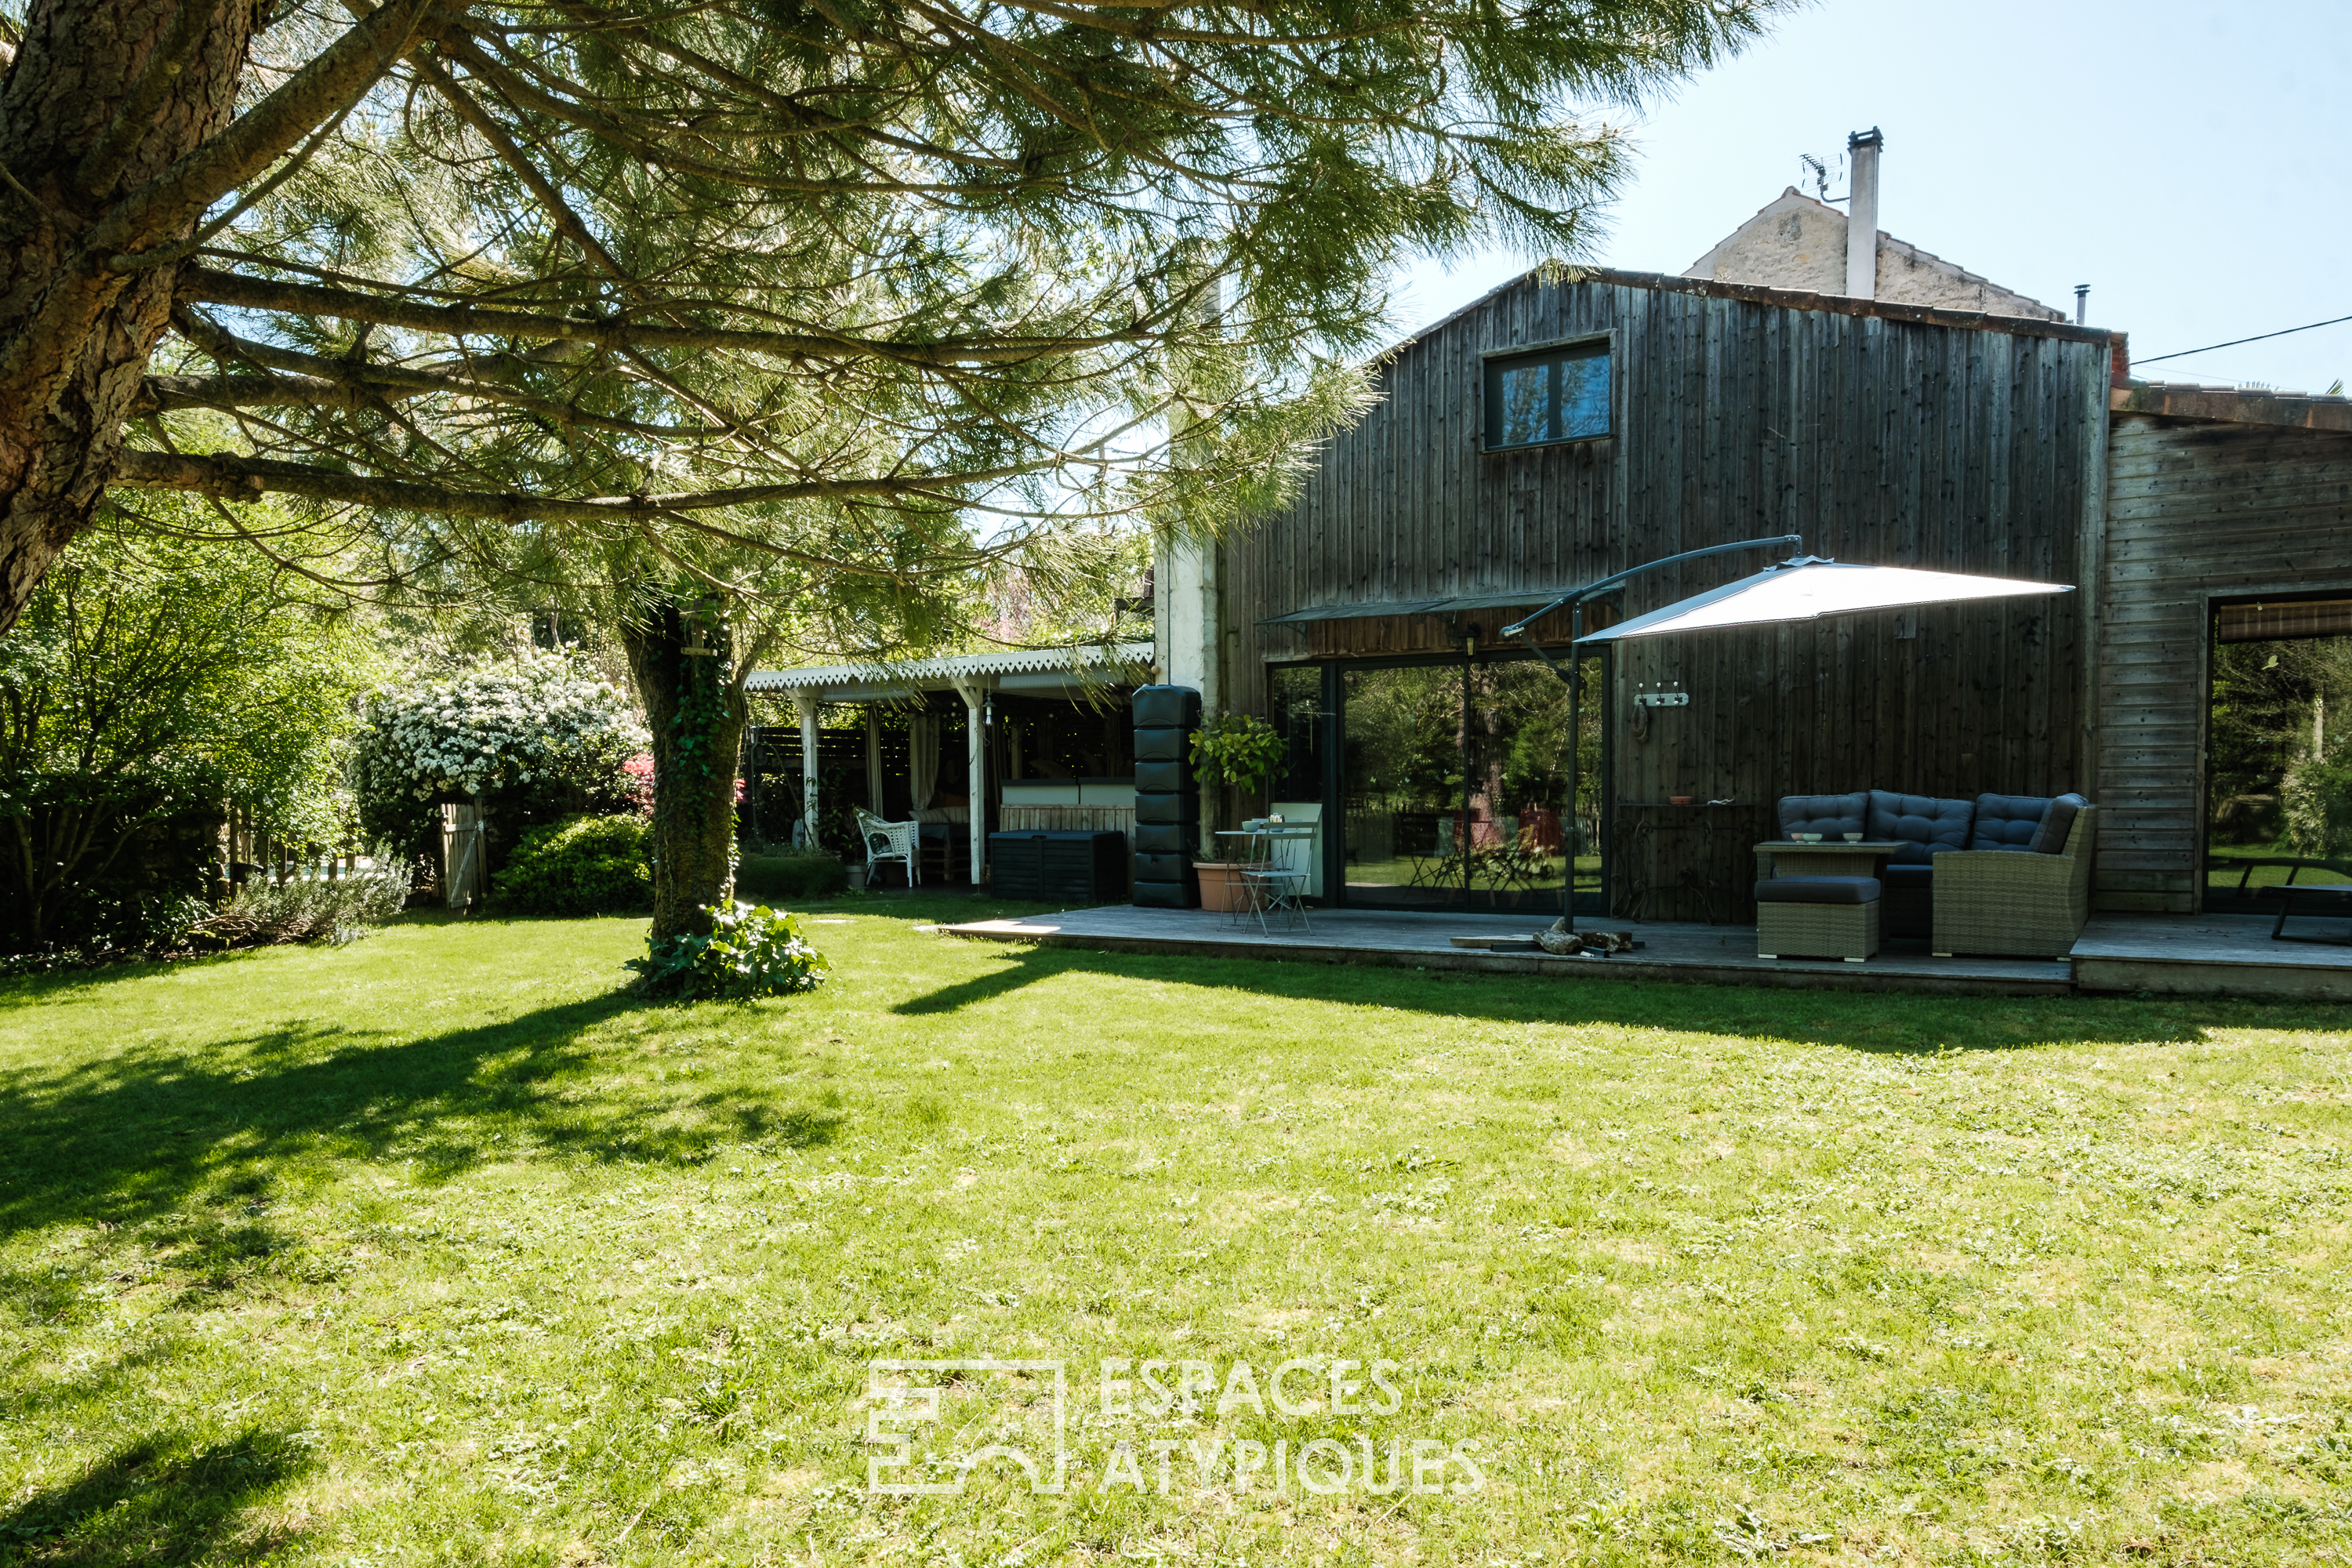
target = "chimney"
x: 1862, y: 214
x: 2082, y: 305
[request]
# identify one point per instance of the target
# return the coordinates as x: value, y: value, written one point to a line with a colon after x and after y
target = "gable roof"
x: 1796, y: 242
x: 1560, y: 274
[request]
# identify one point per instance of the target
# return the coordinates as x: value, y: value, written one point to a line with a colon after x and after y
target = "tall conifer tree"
x: 880, y: 292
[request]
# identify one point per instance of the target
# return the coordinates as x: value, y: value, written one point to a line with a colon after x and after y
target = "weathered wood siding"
x: 2198, y: 512
x: 1881, y: 434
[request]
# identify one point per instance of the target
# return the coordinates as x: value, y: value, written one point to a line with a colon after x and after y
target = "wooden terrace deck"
x: 2231, y: 954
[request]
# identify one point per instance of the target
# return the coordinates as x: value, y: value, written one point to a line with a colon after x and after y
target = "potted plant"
x: 1234, y: 749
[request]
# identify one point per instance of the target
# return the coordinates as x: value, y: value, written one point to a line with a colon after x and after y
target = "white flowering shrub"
x: 541, y: 723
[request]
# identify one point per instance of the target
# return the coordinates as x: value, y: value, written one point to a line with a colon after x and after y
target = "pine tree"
x: 565, y: 290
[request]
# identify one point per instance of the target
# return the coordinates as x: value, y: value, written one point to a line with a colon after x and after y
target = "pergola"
x: 1068, y: 672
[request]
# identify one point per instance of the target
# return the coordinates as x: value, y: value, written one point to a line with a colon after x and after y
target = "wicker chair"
x: 2018, y: 904
x: 888, y: 841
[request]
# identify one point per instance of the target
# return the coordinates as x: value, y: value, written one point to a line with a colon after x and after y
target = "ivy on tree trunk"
x: 695, y: 708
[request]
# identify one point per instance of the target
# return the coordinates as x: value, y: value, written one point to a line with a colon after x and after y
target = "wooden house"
x: 1570, y: 425
x: 2229, y: 531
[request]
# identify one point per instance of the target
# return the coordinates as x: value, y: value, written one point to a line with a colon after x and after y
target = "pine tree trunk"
x: 696, y: 710
x: 75, y: 336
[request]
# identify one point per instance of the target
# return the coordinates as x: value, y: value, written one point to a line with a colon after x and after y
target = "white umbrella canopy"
x: 1809, y: 587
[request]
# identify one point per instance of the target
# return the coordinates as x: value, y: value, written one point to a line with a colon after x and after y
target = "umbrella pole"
x: 1575, y: 763
x: 1575, y: 598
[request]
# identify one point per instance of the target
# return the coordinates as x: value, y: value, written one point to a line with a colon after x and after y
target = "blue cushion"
x: 2006, y: 821
x: 1827, y: 815
x: 1817, y: 891
x: 2059, y: 821
x: 1923, y: 825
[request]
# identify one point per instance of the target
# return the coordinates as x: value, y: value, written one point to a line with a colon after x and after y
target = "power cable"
x: 2234, y: 343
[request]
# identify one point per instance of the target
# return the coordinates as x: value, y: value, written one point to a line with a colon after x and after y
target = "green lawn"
x: 438, y: 1248
x: 2226, y: 878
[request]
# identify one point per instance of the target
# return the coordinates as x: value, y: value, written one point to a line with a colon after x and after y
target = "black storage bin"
x: 1157, y: 745
x: 1183, y: 894
x: 1162, y: 867
x: 1183, y: 807
x: 1164, y: 838
x: 1161, y: 778
x: 1058, y: 868
x: 1166, y: 707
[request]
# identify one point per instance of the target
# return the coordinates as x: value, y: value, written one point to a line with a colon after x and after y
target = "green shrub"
x: 265, y: 914
x: 751, y: 951
x: 2317, y: 794
x: 790, y: 876
x: 579, y: 866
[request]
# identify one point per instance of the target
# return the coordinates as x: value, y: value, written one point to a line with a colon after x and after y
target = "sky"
x: 2185, y: 159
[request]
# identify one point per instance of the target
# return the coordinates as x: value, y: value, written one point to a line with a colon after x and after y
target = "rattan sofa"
x: 2034, y: 907
x: 2019, y: 905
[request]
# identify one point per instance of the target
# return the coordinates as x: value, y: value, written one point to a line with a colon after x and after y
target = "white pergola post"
x: 975, y: 692
x: 806, y: 703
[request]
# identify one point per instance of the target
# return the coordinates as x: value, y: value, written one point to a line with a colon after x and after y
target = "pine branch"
x: 216, y: 288
x: 337, y: 79
x: 318, y: 381
x: 225, y: 475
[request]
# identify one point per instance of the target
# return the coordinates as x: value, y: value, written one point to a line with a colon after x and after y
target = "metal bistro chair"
x: 1274, y: 888
x: 1442, y: 867
x: 1245, y: 847
x: 888, y: 841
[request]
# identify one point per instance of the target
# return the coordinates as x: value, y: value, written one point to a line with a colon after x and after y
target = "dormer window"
x: 1552, y: 395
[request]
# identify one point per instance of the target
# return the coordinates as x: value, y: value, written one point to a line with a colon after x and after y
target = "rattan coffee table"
x: 1831, y: 859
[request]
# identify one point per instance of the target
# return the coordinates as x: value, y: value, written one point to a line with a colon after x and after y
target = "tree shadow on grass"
x: 1882, y: 1022
x: 123, y: 1137
x: 155, y: 1501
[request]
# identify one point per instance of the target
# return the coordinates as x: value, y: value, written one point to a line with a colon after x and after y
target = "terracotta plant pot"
x: 1221, y: 885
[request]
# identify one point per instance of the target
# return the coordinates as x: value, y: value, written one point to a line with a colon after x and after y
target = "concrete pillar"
x: 806, y: 703
x: 1861, y: 150
x: 975, y: 692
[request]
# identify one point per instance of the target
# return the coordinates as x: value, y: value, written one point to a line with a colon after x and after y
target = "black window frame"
x: 1499, y: 362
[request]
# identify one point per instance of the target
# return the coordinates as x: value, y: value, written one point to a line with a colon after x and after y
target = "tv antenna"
x: 1820, y: 175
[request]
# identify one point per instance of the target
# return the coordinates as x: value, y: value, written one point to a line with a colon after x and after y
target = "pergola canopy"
x: 1044, y: 671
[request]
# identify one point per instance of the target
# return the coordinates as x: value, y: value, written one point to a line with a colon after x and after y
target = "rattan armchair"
x: 2019, y: 904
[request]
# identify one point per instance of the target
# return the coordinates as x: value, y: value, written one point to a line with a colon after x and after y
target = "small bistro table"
x: 1830, y: 858
x: 1274, y: 889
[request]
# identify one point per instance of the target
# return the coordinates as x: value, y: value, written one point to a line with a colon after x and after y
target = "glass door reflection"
x: 1454, y: 781
x: 1517, y: 749
x: 1401, y: 781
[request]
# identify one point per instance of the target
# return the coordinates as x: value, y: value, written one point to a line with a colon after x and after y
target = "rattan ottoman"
x: 1817, y: 917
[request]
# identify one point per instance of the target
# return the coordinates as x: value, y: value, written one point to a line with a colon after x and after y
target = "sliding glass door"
x: 1401, y: 780
x: 2278, y: 788
x: 1521, y: 825
x: 1453, y: 784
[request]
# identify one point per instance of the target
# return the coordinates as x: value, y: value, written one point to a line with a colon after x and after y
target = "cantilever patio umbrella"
x: 1801, y: 588
x: 1810, y: 586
